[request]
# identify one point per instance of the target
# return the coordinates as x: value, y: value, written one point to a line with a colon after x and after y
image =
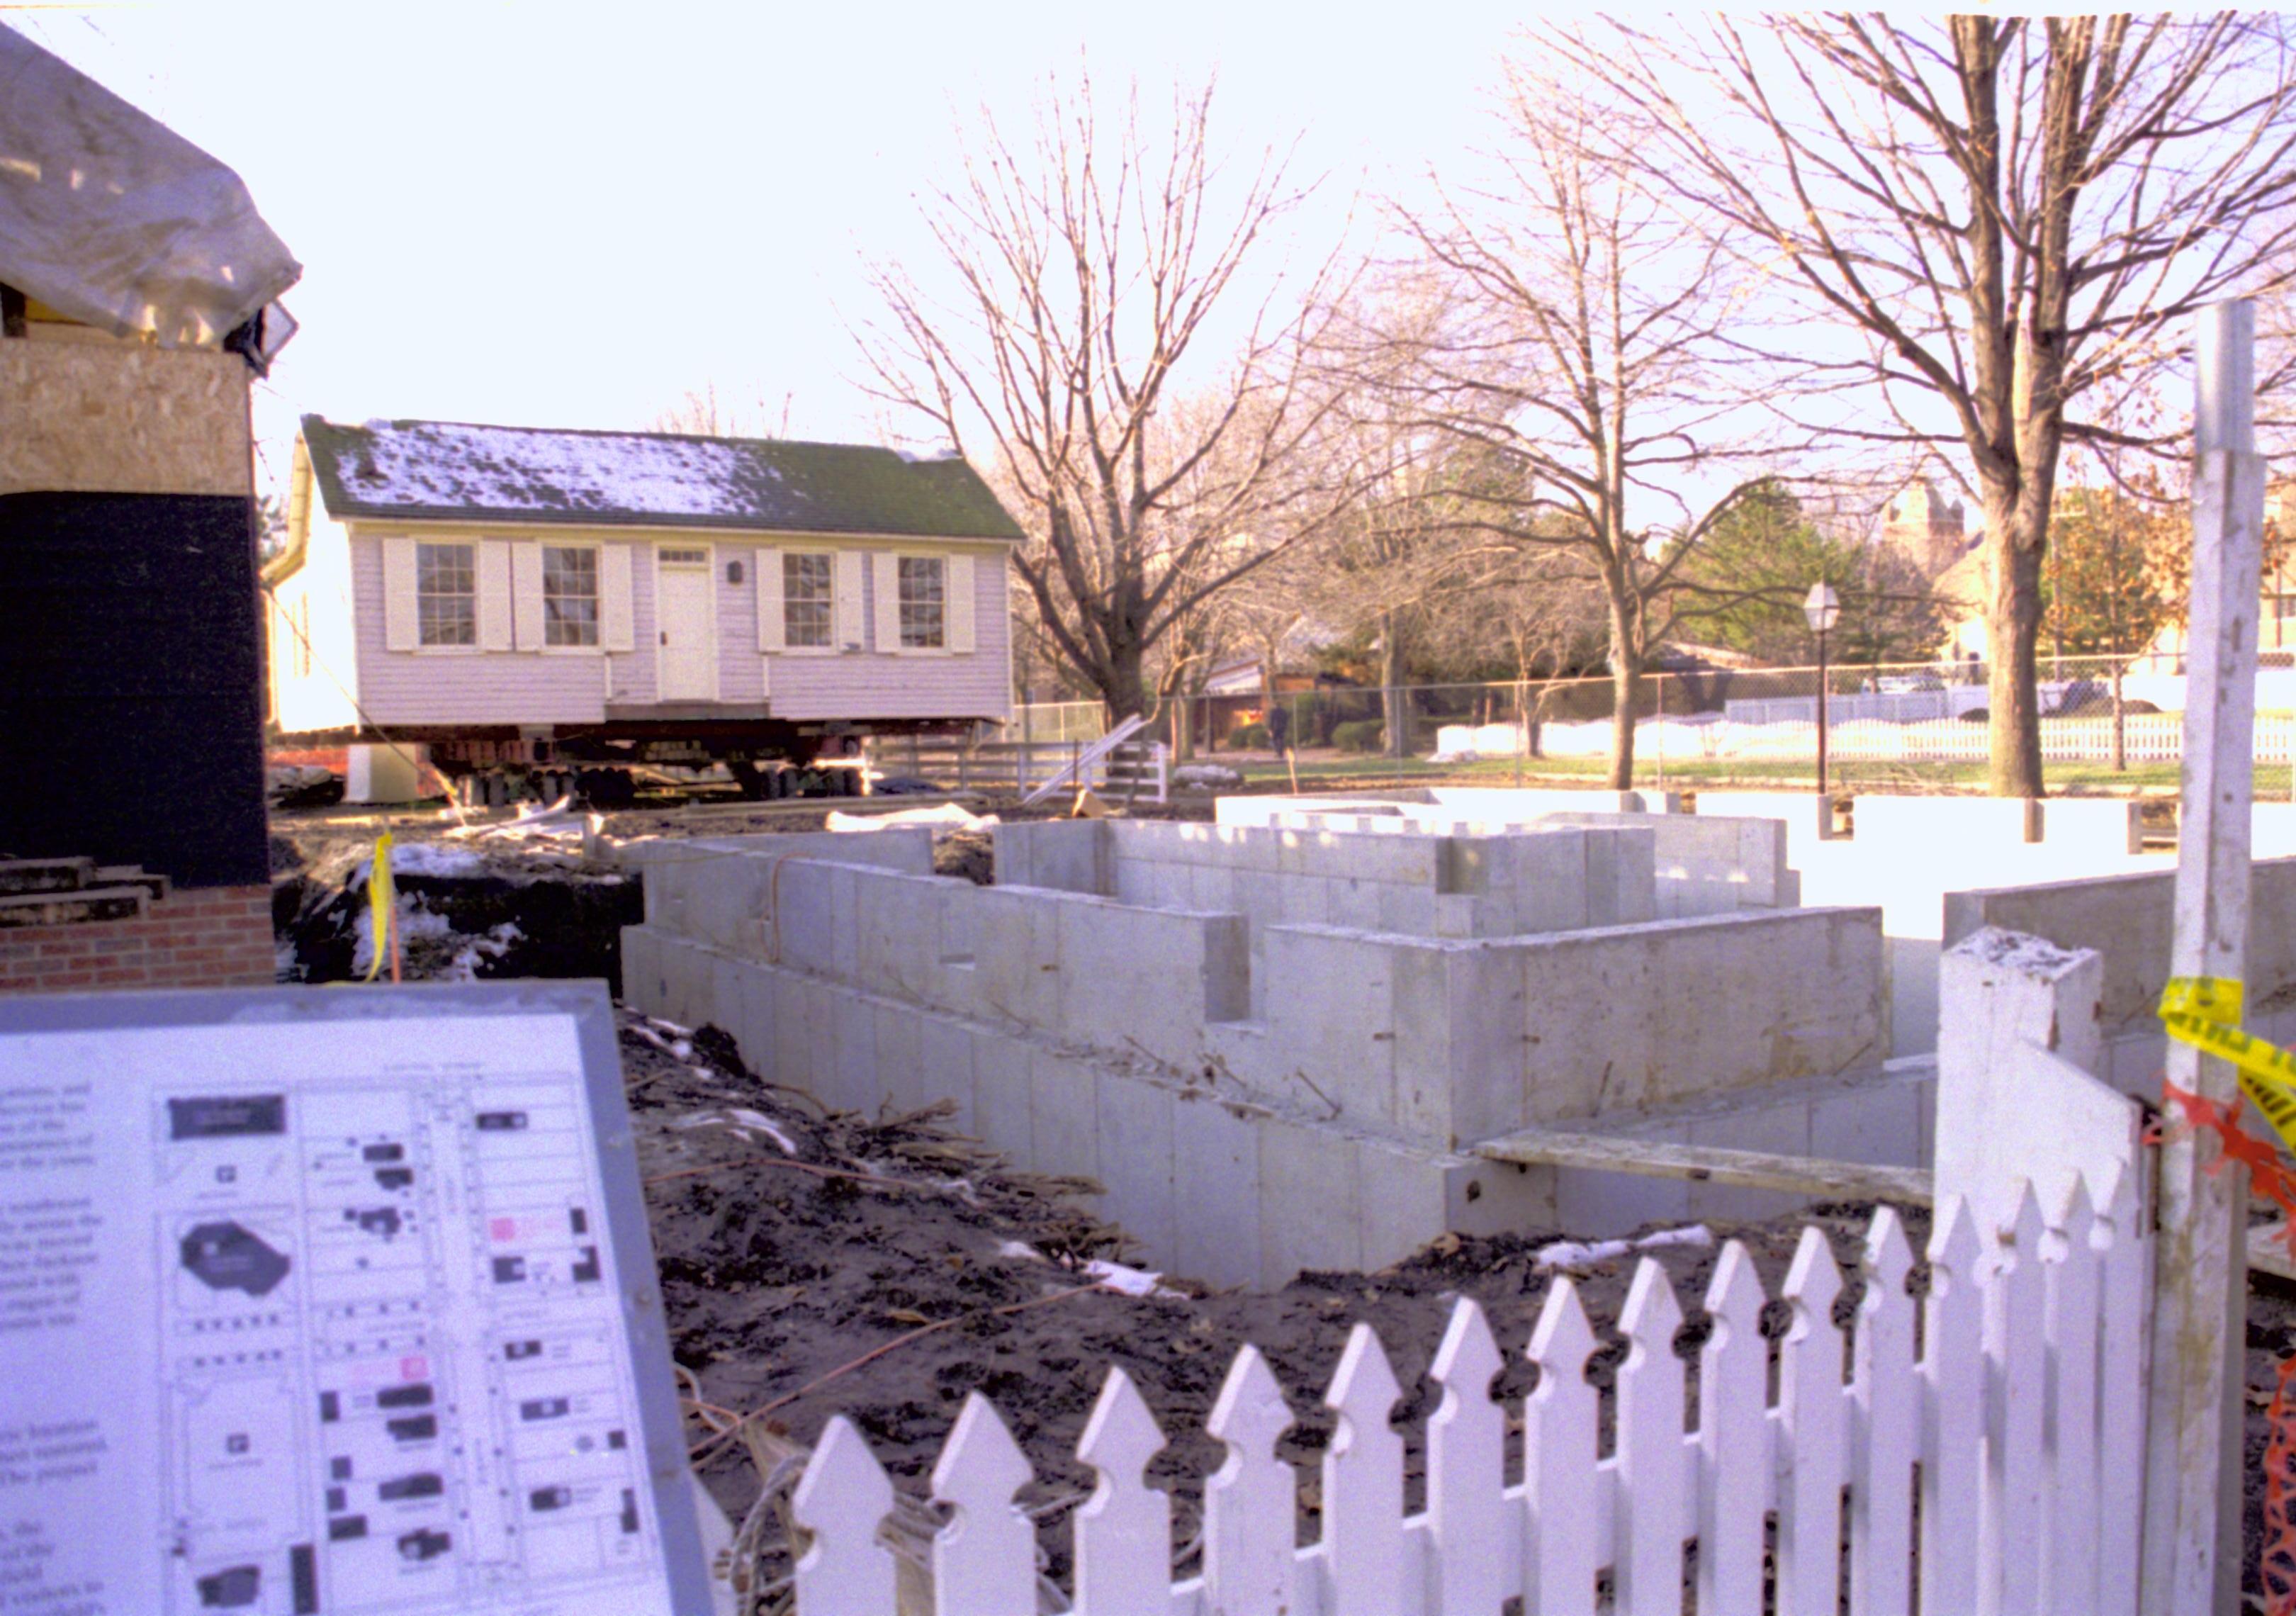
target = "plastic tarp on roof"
x: 110, y: 217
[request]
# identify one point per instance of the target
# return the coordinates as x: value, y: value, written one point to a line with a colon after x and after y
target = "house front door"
x: 685, y: 614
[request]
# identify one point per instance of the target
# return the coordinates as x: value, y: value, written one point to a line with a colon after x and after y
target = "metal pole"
x: 2194, y: 1417
x: 1821, y: 715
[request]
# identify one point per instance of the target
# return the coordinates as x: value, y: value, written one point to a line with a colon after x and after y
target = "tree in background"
x: 704, y: 414
x: 1744, y: 588
x: 2010, y: 210
x: 1090, y: 264
x: 1585, y: 345
x: 2119, y: 570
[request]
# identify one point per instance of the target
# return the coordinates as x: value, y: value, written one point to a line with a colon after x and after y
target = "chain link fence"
x: 2113, y: 720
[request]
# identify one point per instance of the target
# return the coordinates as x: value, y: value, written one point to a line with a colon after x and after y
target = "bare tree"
x: 1576, y: 350
x: 703, y: 413
x: 1088, y: 267
x: 2010, y: 210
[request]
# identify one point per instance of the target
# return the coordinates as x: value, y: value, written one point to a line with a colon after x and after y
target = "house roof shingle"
x: 446, y: 470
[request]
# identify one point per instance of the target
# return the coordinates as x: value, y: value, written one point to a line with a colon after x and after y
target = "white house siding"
x: 531, y: 687
x: 412, y: 687
x: 875, y: 684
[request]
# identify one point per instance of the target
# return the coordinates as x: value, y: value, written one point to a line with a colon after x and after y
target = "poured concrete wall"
x: 1699, y: 865
x: 2128, y: 919
x: 1406, y: 883
x: 1082, y: 1035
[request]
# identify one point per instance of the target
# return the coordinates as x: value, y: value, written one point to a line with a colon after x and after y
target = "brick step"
x: 74, y: 909
x: 21, y: 875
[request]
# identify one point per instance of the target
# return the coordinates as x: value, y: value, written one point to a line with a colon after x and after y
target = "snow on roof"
x: 445, y: 469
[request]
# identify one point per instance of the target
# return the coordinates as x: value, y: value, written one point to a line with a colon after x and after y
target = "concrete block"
x: 1595, y: 1205
x: 642, y: 983
x: 1330, y: 1013
x: 1216, y: 1194
x: 1310, y: 1205
x: 1485, y: 1198
x: 945, y: 1061
x: 1003, y: 1107
x: 803, y: 916
x: 1016, y: 956
x: 1407, y: 911
x: 1354, y: 905
x: 726, y: 974
x: 689, y: 977
x: 1148, y: 978
x: 1136, y: 1163
x: 805, y: 1036
x: 853, y: 1031
x: 760, y: 1021
x: 1401, y: 1201
x: 1460, y: 1017
x: 1209, y: 888
x: 900, y: 1059
x: 1066, y: 856
x: 1063, y: 1114
x: 1879, y: 1123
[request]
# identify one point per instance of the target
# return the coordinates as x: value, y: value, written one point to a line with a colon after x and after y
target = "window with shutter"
x: 446, y: 593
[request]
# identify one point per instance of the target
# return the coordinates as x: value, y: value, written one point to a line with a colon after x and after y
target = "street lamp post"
x: 1823, y: 609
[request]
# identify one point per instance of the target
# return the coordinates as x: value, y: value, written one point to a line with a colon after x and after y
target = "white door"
x: 685, y: 614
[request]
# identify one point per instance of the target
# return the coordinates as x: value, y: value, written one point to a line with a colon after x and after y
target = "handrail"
x: 1083, y: 760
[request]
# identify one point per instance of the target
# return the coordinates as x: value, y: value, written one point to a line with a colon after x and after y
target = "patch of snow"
x: 947, y: 816
x: 1021, y: 1251
x: 1571, y: 1254
x: 415, y: 924
x: 1129, y: 1280
x: 494, y: 945
x: 429, y: 858
x: 440, y: 463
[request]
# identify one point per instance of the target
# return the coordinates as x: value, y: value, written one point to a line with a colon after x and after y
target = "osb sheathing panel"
x: 119, y: 419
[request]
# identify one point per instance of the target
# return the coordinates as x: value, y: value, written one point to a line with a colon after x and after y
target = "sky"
x: 571, y: 216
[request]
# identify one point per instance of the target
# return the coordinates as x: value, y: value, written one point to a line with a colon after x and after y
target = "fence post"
x: 2193, y: 1432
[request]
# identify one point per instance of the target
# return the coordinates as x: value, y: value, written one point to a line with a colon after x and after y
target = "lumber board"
x: 1748, y: 1169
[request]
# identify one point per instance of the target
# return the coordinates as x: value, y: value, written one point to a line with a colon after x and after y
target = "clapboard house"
x: 512, y: 597
x: 136, y: 283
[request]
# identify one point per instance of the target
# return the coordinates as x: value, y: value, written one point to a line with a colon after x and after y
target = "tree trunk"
x: 1391, y: 685
x: 1626, y: 691
x: 1121, y: 686
x: 2013, y: 635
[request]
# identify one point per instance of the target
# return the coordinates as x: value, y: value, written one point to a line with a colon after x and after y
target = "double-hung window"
x: 925, y: 600
x: 446, y: 593
x: 569, y: 594
x: 808, y: 601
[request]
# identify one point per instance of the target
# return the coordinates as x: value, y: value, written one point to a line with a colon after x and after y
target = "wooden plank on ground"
x: 1748, y: 1169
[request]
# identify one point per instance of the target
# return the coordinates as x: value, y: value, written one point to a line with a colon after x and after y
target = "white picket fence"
x: 2023, y: 1408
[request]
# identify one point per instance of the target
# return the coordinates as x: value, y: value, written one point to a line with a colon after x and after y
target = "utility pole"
x: 2194, y: 1426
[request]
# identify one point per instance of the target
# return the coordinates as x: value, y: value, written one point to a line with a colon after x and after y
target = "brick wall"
x: 206, y: 937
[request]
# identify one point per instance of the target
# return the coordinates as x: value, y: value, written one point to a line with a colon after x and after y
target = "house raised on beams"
x: 513, y: 597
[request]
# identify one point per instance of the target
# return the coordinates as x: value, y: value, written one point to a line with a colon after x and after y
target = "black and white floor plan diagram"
x: 389, y: 1337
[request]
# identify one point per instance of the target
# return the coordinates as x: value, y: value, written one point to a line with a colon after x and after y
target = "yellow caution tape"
x: 382, y: 905
x: 2204, y: 1012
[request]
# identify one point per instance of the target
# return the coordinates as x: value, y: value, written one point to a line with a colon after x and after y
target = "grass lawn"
x: 1324, y: 770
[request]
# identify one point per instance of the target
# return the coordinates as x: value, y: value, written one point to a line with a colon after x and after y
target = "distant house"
x: 521, y: 595
x: 136, y: 288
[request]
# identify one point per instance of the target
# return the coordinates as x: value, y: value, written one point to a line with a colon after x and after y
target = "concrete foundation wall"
x: 1699, y: 866
x: 1213, y: 1185
x: 2128, y: 919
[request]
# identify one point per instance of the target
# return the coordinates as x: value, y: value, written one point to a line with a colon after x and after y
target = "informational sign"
x: 331, y: 1301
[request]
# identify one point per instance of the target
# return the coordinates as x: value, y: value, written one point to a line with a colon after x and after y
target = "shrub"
x: 1360, y: 735
x: 1248, y: 738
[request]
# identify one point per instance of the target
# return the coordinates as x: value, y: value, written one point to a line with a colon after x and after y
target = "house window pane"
x: 923, y: 624
x: 570, y: 596
x: 446, y: 593
x: 807, y: 600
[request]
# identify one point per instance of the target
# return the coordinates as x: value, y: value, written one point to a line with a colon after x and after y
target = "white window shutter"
x: 526, y: 593
x: 773, y: 625
x: 849, y: 627
x: 494, y: 594
x: 888, y: 599
x: 956, y: 594
x: 402, y: 628
x: 617, y: 625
